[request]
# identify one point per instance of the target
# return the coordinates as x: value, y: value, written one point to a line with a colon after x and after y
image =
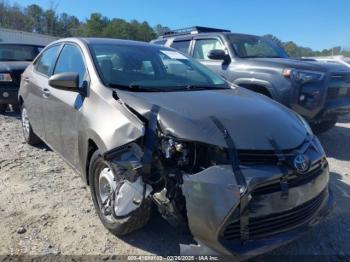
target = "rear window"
x: 19, y: 52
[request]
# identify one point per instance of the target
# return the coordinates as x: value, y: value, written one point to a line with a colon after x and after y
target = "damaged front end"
x: 234, y: 201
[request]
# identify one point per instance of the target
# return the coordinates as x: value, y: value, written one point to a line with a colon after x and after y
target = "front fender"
x: 257, y: 82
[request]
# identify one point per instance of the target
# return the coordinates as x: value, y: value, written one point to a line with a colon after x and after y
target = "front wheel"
x: 3, y: 108
x: 323, y: 126
x: 103, y: 181
x: 29, y: 136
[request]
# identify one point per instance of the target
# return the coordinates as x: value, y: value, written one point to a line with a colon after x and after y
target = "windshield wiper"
x: 261, y: 56
x: 199, y: 87
x: 136, y: 88
x: 140, y: 88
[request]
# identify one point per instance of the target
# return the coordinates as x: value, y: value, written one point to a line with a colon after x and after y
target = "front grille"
x: 257, y: 157
x: 293, y: 180
x: 339, y: 86
x: 260, y: 227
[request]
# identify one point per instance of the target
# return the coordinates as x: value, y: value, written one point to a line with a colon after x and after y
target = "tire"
x: 3, y: 108
x: 119, y: 227
x: 29, y: 136
x: 324, y: 126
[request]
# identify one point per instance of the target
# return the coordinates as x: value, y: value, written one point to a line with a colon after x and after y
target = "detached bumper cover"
x: 213, y: 203
x: 8, y: 95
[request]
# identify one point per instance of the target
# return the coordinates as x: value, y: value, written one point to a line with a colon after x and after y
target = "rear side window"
x: 182, y: 46
x: 71, y: 61
x: 204, y: 46
x: 45, y: 62
x: 160, y: 42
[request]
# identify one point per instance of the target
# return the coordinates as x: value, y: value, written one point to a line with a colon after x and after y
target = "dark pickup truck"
x: 14, y: 58
x: 319, y: 92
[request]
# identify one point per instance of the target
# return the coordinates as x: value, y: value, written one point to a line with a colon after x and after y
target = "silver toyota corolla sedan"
x: 146, y: 125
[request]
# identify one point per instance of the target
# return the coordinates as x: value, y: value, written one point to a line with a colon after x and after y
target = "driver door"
x: 62, y: 108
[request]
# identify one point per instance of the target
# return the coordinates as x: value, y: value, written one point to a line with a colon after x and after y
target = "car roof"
x: 93, y: 40
x: 175, y: 37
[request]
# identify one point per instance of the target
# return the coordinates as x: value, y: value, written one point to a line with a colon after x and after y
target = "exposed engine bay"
x: 171, y: 160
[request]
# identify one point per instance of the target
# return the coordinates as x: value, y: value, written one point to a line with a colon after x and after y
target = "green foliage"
x: 294, y: 50
x: 34, y: 19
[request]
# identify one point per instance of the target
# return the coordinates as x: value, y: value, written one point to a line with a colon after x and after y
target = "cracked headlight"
x: 5, y: 77
x: 192, y: 156
x: 303, y: 76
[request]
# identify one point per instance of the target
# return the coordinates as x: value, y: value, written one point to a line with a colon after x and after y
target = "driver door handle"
x: 46, y: 92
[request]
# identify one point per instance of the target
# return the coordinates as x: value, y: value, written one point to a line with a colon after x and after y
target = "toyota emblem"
x: 301, y: 164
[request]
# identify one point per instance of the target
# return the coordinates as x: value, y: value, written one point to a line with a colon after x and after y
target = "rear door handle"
x: 46, y: 92
x: 26, y: 79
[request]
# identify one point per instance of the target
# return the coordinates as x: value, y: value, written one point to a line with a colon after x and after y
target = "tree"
x: 95, y: 25
x: 117, y: 28
x: 274, y: 39
x: 67, y: 25
x: 160, y: 30
x: 35, y: 15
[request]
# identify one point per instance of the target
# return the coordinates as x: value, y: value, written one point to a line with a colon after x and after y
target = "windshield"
x: 150, y: 68
x: 18, y: 52
x: 247, y: 46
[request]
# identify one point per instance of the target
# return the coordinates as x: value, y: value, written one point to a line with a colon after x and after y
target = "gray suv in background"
x: 317, y: 91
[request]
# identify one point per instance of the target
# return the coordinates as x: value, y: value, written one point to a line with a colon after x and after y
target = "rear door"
x: 62, y: 108
x: 35, y: 82
x: 201, y: 48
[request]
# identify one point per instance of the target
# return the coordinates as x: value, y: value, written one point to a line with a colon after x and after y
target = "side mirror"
x: 218, y: 54
x: 65, y: 81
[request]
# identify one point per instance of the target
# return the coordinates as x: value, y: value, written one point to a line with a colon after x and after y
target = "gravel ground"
x: 46, y: 208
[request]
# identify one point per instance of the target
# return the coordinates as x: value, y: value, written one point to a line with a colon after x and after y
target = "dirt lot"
x: 46, y: 208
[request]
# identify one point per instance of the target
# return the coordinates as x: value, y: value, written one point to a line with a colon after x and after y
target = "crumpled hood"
x: 298, y: 64
x: 251, y: 119
x: 13, y: 66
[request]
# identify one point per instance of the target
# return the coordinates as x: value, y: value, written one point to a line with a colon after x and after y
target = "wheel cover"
x: 25, y: 122
x: 107, y: 183
x: 106, y: 187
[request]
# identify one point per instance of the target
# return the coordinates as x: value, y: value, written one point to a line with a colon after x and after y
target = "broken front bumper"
x: 213, y: 203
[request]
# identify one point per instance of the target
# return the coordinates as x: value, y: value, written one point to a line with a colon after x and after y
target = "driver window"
x: 71, y: 61
x: 204, y: 46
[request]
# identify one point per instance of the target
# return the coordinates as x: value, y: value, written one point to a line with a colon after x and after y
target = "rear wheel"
x: 323, y: 126
x: 3, y: 108
x: 103, y: 181
x: 29, y: 136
